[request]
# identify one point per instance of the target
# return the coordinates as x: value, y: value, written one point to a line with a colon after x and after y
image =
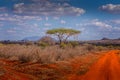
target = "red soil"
x: 8, y: 73
x: 107, y: 68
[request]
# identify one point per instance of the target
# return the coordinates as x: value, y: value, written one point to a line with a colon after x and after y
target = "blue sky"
x: 25, y: 18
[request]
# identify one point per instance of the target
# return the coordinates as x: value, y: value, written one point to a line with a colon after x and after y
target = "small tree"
x: 63, y: 34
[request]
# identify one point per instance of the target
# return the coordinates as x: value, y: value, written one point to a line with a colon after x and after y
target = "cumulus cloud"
x: 101, y: 24
x: 47, y: 24
x: 116, y: 21
x: 117, y: 28
x: 56, y: 18
x: 111, y: 8
x: 95, y: 23
x: 47, y: 8
x: 18, y: 5
x: 11, y: 31
x: 46, y: 18
x: 20, y: 24
x: 17, y: 18
x: 63, y: 22
x: 3, y: 9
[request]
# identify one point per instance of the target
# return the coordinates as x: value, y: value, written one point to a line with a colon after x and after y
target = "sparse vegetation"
x: 48, y: 60
x: 47, y: 54
x: 63, y: 34
x: 51, y: 62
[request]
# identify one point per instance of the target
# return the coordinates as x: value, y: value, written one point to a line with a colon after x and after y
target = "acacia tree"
x: 63, y: 34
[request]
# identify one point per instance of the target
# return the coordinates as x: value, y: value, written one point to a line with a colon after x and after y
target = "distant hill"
x: 105, y: 38
x: 48, y: 39
x: 104, y: 41
x: 118, y: 39
x: 32, y: 38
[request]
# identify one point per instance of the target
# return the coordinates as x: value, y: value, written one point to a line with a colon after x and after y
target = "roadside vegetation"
x: 46, y: 53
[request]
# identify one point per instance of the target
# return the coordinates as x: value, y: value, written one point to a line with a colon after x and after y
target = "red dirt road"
x: 107, y: 68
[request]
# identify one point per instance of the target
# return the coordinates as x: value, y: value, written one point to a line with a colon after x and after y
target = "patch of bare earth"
x: 62, y: 70
x: 107, y: 68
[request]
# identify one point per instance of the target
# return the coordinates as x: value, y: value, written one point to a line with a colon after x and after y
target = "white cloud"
x: 116, y: 21
x: 80, y: 24
x: 4, y: 15
x: 46, y: 18
x: 112, y: 8
x: 35, y: 25
x: 56, y: 18
x: 101, y: 24
x: 117, y: 28
x: 45, y: 29
x: 18, y: 5
x: 20, y: 24
x: 63, y: 22
x: 3, y: 9
x: 95, y: 23
x: 17, y: 18
x: 11, y: 31
x: 47, y: 8
x: 47, y: 24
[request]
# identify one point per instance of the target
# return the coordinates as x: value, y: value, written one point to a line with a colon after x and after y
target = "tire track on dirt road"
x: 107, y: 68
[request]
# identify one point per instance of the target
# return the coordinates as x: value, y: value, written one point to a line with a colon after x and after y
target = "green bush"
x: 29, y: 43
x: 63, y: 45
x: 71, y: 44
x: 24, y: 58
x: 99, y: 48
x: 74, y: 43
x: 1, y: 44
x: 110, y: 46
x: 43, y: 44
x: 89, y: 47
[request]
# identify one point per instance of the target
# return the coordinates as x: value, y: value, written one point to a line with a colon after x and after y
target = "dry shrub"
x: 89, y: 47
x: 33, y: 53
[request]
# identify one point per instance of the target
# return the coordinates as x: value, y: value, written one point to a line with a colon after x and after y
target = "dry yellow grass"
x: 49, y: 54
